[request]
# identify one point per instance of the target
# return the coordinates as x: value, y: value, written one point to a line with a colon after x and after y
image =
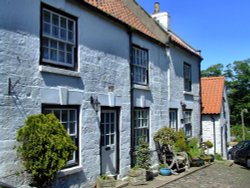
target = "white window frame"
x: 188, y: 122
x: 187, y: 76
x: 74, y: 135
x: 141, y: 124
x: 57, y: 44
x: 173, y: 119
x: 140, y: 66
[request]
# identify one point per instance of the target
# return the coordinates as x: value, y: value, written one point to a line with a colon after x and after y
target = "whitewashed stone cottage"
x: 183, y: 80
x: 103, y: 68
x: 215, y: 114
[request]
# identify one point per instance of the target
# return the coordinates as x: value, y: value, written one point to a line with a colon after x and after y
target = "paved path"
x: 218, y: 175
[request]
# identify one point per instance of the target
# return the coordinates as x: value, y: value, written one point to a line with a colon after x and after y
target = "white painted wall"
x: 103, y: 58
x: 222, y: 129
x: 177, y: 57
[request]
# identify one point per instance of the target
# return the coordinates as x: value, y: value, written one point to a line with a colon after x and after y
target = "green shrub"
x: 45, y: 147
x: 180, y: 144
x: 208, y: 144
x: 142, y: 155
x: 236, y: 131
x: 194, y: 151
x: 218, y: 157
x: 165, y: 136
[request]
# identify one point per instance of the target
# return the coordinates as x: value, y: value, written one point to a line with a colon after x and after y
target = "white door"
x: 108, y: 142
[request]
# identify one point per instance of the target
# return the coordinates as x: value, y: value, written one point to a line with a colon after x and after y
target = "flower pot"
x: 137, y: 176
x: 105, y: 183
x: 165, y: 171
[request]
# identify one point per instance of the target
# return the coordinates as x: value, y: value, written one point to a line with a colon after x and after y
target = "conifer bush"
x: 45, y: 147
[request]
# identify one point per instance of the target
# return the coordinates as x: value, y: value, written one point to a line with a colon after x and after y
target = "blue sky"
x: 219, y: 28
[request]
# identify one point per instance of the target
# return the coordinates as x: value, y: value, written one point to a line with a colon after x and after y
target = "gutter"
x: 131, y: 97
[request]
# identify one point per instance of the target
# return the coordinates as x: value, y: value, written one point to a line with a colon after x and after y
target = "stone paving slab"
x: 160, y: 180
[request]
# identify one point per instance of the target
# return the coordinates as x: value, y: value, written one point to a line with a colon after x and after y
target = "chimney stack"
x: 157, y: 7
x: 161, y: 17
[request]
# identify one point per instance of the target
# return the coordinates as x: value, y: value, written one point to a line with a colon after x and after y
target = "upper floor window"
x: 58, y: 38
x: 187, y: 74
x: 140, y: 66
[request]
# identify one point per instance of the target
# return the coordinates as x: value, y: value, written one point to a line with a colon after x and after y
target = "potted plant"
x: 164, y: 170
x: 195, y: 152
x: 105, y: 181
x: 140, y: 172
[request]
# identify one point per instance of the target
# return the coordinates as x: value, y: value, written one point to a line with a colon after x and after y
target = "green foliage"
x: 194, y: 151
x: 237, y: 132
x: 142, y: 155
x: 218, y: 157
x: 45, y: 147
x: 180, y: 144
x: 165, y: 136
x: 214, y: 70
x: 237, y: 77
x: 208, y: 144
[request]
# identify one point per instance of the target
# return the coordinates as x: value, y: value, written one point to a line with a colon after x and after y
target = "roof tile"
x: 119, y: 10
x: 212, y: 89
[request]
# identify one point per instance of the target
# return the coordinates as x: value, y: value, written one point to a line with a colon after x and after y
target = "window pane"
x: 70, y: 36
x: 55, y: 31
x: 70, y: 25
x: 61, y: 56
x: 63, y: 23
x: 72, y: 128
x: 46, y: 16
x: 46, y: 28
x: 112, y: 139
x: 53, y: 44
x: 53, y: 55
x: 64, y: 116
x: 55, y: 20
x: 63, y: 34
x: 45, y: 53
x: 57, y: 114
x: 72, y: 115
x: 69, y: 58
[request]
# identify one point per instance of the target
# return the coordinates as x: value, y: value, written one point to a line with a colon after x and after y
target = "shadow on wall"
x: 54, y: 80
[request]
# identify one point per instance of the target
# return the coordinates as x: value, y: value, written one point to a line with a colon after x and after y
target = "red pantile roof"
x: 119, y: 10
x: 212, y: 89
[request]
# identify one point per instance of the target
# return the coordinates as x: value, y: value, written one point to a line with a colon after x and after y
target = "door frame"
x: 117, y: 110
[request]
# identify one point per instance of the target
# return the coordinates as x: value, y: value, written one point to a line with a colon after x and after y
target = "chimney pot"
x: 157, y: 7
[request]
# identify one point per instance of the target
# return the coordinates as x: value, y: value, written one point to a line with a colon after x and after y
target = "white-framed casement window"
x: 68, y: 117
x: 141, y: 125
x: 140, y: 66
x: 188, y: 122
x: 173, y: 123
x: 187, y: 74
x: 58, y: 38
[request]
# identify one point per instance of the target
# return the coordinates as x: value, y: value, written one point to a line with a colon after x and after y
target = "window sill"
x: 142, y: 87
x: 59, y: 71
x: 188, y: 93
x: 69, y: 171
